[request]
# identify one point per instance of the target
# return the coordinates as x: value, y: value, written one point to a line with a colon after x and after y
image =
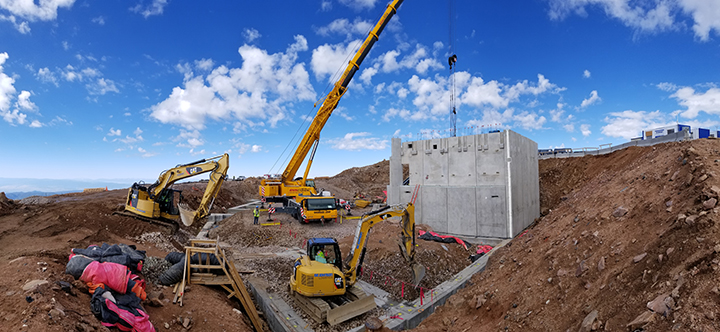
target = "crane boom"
x: 331, y: 100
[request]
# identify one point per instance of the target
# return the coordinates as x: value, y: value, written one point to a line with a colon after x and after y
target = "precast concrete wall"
x: 478, y: 186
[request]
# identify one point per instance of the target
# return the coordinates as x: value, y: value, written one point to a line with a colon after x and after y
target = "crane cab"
x: 319, y: 273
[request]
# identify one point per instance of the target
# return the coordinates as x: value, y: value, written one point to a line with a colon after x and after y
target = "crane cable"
x: 451, y: 62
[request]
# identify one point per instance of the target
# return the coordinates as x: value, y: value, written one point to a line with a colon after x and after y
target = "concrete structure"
x: 482, y: 186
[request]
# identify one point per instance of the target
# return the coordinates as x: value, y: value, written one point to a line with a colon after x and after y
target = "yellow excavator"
x: 323, y: 284
x: 159, y: 203
x: 293, y: 192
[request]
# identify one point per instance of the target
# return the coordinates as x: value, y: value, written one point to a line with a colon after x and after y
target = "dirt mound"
x: 369, y: 180
x: 7, y: 205
x: 625, y: 229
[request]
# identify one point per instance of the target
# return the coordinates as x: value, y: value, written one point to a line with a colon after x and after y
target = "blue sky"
x: 123, y: 89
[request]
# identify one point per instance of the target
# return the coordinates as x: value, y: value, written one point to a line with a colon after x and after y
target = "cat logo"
x: 193, y: 170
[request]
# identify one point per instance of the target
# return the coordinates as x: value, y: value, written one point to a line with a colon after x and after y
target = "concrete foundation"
x: 476, y: 187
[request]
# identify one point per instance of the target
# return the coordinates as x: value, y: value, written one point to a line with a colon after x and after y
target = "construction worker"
x: 256, y: 215
x: 320, y: 257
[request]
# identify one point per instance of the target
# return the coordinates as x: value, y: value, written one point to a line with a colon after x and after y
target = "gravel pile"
x: 154, y: 267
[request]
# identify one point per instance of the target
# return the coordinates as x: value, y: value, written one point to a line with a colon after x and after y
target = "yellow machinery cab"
x: 312, y: 277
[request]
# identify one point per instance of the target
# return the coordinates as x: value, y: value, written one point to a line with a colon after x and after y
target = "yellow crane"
x: 159, y: 203
x: 322, y: 274
x: 297, y: 194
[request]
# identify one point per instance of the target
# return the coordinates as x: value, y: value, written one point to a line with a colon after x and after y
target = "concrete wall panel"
x: 524, y: 184
x: 435, y: 162
x: 491, y: 211
x: 461, y: 161
x: 460, y: 201
x: 490, y: 159
x: 433, y: 200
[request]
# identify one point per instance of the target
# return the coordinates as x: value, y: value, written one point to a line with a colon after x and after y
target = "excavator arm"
x: 406, y: 243
x: 331, y: 100
x: 145, y: 201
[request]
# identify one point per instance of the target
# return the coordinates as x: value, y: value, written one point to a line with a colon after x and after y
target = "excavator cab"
x: 325, y: 250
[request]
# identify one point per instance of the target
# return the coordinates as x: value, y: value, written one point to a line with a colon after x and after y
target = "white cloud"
x: 22, y: 27
x: 44, y: 10
x: 189, y: 139
x: 667, y: 87
x: 138, y: 131
x: 154, y: 8
x: 706, y: 16
x: 36, y: 124
x: 251, y: 34
x: 648, y: 16
x: 141, y: 150
x: 628, y: 124
x: 586, y: 73
x: 327, y: 59
x: 260, y: 89
x: 204, y: 64
x: 569, y: 128
x: 594, y: 99
x: 23, y: 101
x: 342, y: 26
x: 359, y: 4
x: 696, y: 102
x: 256, y: 148
x: 66, y: 46
x: 99, y: 20
x: 101, y: 86
x: 358, y: 141
x: 326, y: 5
x: 585, y: 130
x: 529, y: 120
x: 7, y: 94
x: 46, y: 76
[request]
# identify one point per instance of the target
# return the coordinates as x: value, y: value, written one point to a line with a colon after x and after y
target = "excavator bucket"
x: 187, y: 215
x: 418, y: 273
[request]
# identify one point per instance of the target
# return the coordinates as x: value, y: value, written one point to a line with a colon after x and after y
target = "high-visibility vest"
x: 256, y: 213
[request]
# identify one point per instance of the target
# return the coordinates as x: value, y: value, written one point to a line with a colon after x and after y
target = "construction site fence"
x: 592, y: 151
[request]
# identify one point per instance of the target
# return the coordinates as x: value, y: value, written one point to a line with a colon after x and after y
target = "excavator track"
x: 171, y: 226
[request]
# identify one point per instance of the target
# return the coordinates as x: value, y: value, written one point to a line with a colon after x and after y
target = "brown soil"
x: 585, y: 255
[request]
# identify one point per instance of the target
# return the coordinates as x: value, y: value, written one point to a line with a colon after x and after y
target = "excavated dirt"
x: 619, y: 231
x: 260, y: 250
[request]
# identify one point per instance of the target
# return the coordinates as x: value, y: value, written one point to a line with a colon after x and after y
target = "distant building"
x: 663, y: 131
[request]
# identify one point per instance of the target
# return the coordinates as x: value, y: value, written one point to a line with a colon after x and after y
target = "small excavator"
x: 159, y: 203
x: 323, y: 284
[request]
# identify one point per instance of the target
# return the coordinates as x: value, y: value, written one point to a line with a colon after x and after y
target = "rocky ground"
x: 627, y: 242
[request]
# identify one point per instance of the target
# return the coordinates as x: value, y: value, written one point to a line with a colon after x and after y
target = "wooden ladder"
x: 230, y: 279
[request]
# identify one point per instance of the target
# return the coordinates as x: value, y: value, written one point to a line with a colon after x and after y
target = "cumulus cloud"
x: 586, y: 73
x: 696, y: 102
x: 101, y: 86
x: 529, y: 120
x: 99, y: 20
x: 46, y: 76
x: 343, y: 26
x: 594, y: 99
x: 189, y: 139
x: 9, y: 111
x: 251, y: 34
x: 359, y: 4
x: 628, y: 124
x: 326, y: 5
x: 114, y: 132
x: 204, y: 64
x: 648, y: 16
x: 327, y: 59
x: 585, y: 130
x: 256, y: 148
x: 45, y: 10
x: 259, y: 90
x: 21, y: 26
x: 665, y: 86
x: 358, y: 141
x: 156, y: 7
